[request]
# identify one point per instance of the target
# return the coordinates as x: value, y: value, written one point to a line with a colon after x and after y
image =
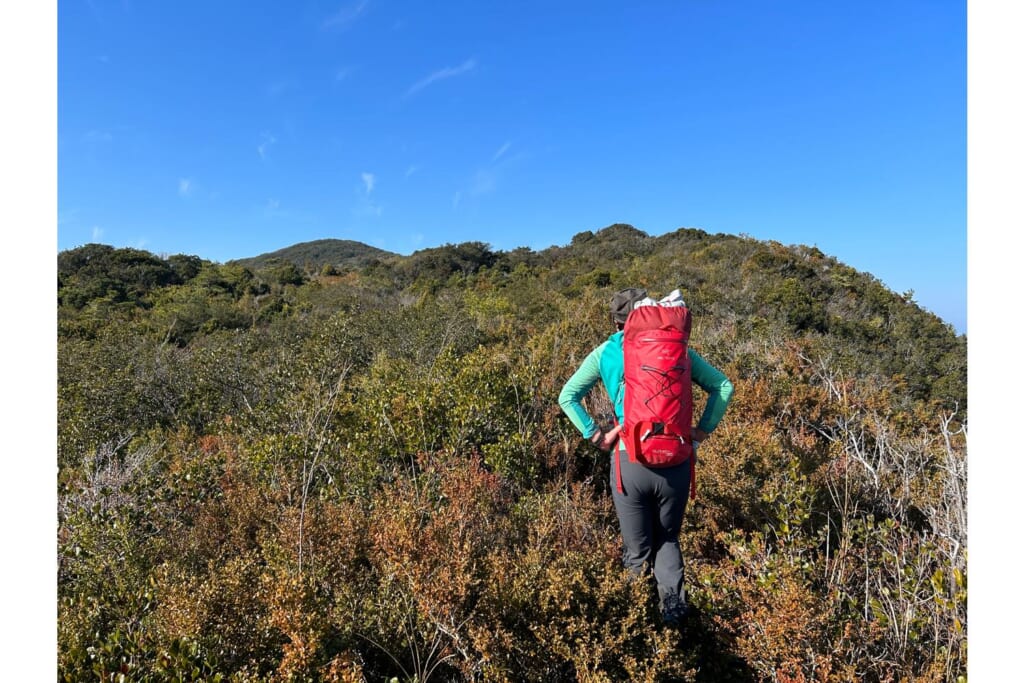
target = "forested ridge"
x: 328, y: 255
x: 338, y: 464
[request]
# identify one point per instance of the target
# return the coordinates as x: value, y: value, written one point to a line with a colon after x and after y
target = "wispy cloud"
x: 365, y: 206
x: 267, y: 141
x: 412, y: 169
x: 486, y: 179
x: 369, y: 180
x: 345, y: 15
x: 501, y: 152
x: 442, y: 74
x: 272, y: 209
x: 97, y: 233
x: 342, y: 73
x: 185, y: 187
x: 484, y: 182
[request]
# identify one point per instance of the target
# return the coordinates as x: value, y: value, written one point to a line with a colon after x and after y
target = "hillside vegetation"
x: 327, y: 256
x: 276, y: 470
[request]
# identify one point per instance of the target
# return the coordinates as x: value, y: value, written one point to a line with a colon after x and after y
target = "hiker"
x: 649, y: 501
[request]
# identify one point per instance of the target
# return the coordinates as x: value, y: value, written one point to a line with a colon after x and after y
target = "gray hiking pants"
x: 650, y: 515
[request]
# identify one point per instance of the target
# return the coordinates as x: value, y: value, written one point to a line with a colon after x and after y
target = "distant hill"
x: 739, y: 288
x: 342, y: 254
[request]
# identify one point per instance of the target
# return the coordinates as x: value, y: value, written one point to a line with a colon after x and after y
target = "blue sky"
x: 227, y: 129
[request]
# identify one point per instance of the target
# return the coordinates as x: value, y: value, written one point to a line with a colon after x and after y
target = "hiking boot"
x: 673, y: 610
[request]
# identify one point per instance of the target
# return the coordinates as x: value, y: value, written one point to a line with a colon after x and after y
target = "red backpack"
x: 658, y: 404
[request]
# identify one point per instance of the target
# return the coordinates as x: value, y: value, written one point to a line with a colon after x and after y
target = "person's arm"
x: 719, y: 389
x: 579, y: 385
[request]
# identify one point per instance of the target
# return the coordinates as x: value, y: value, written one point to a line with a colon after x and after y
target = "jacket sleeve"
x: 719, y: 388
x: 578, y: 386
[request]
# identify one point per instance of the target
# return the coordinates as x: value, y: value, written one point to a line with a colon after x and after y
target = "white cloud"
x: 365, y: 206
x: 345, y: 15
x: 501, y: 151
x: 445, y: 73
x: 185, y: 187
x: 456, y: 199
x: 268, y: 140
x: 97, y: 233
x: 412, y: 169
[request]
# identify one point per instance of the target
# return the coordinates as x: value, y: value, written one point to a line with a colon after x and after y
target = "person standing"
x: 649, y: 502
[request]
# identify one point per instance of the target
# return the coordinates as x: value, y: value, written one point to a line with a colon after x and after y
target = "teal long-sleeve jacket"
x: 604, y: 364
